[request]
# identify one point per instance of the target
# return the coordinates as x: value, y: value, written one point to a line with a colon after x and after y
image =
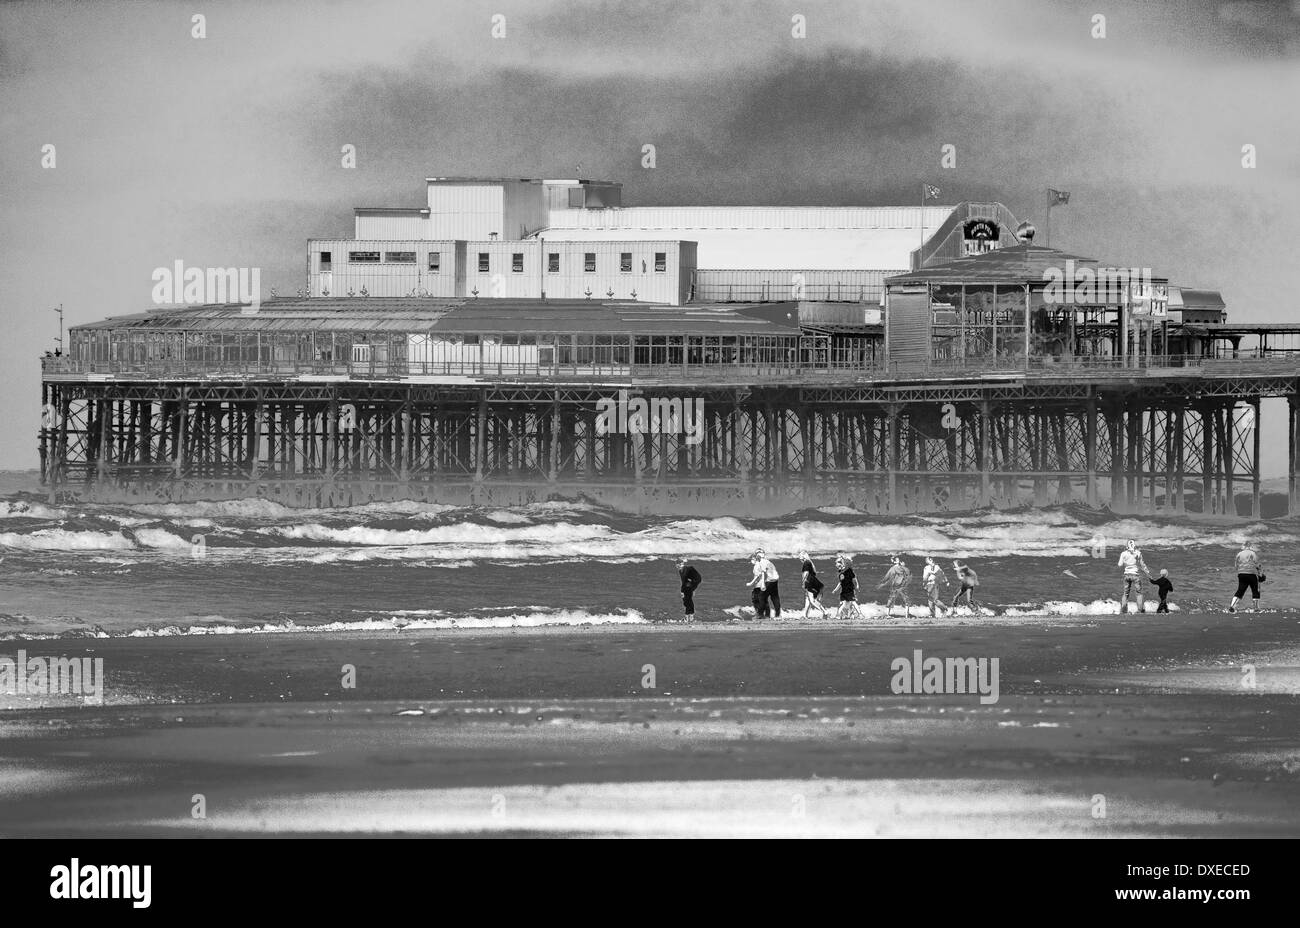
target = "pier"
x: 320, y: 403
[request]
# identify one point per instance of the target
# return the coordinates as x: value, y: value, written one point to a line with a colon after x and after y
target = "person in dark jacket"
x: 847, y: 588
x: 812, y: 587
x: 691, y: 579
x: 1164, y: 587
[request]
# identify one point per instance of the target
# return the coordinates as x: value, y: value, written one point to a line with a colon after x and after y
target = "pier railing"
x: 774, y: 370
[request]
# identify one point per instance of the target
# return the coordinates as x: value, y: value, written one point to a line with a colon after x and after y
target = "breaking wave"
x: 560, y: 531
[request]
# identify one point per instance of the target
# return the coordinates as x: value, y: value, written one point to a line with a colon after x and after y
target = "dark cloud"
x: 228, y: 152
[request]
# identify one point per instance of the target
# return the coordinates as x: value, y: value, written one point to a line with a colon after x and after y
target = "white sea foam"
x: 507, y: 517
x: 21, y: 509
x: 57, y: 539
x: 1096, y: 607
x: 398, y: 621
x: 1053, y: 608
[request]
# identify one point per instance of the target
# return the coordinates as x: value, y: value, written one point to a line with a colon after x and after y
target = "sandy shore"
x: 747, y: 730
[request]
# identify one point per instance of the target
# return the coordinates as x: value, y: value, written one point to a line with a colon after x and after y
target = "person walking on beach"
x: 848, y: 589
x: 969, y: 581
x: 691, y: 579
x: 931, y: 576
x: 897, y: 579
x: 771, y: 583
x: 1131, y: 560
x: 758, y: 592
x: 812, y: 587
x: 1165, y: 587
x: 1250, y: 574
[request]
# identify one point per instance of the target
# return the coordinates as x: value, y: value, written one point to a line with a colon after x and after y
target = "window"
x: 326, y: 261
x: 576, y: 198
x: 625, y: 261
x: 363, y: 257
x: 399, y: 257
x: 517, y: 262
x: 435, y: 262
x: 589, y: 262
x: 553, y: 262
x: 483, y: 263
x: 661, y: 261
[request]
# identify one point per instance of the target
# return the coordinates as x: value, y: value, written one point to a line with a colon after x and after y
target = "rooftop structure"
x: 727, y: 253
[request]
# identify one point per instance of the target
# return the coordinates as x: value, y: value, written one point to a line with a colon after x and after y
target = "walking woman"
x: 1250, y: 574
x: 848, y: 589
x: 812, y: 587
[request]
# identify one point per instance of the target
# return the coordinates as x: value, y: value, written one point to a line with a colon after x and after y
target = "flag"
x: 931, y: 192
x: 1057, y: 197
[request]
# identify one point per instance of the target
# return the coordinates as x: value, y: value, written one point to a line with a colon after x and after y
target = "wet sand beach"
x: 1111, y: 727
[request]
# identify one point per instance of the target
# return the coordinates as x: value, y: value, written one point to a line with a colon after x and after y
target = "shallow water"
x: 256, y: 565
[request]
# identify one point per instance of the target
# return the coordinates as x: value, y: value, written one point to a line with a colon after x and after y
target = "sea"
x: 254, y: 566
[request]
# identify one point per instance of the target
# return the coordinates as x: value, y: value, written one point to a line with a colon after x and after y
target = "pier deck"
x: 1170, y: 434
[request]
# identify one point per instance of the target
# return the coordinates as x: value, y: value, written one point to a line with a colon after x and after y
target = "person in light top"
x: 931, y: 576
x: 1250, y: 573
x: 1130, y: 559
x: 758, y: 593
x: 771, y: 588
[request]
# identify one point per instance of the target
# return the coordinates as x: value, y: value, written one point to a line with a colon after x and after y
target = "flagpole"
x: 920, y: 253
x: 1048, y: 235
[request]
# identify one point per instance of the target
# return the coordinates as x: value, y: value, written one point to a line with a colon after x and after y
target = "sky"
x: 226, y: 150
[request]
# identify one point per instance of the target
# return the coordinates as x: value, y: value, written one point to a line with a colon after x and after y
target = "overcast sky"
x: 225, y: 151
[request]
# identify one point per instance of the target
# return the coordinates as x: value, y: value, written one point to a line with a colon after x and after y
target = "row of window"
x: 485, y: 261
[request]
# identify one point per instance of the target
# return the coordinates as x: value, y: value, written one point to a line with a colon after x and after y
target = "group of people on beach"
x: 765, y: 595
x: 1250, y: 574
x: 765, y: 590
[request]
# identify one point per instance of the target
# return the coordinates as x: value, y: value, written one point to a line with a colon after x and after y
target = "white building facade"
x: 570, y: 239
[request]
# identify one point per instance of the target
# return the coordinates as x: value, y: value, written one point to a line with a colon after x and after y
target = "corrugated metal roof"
x: 1202, y: 299
x: 762, y: 249
x: 1012, y: 264
x: 421, y: 314
x: 735, y: 218
x: 1243, y: 328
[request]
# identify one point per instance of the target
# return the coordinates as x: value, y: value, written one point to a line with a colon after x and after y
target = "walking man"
x: 1131, y: 560
x: 1250, y: 573
x: 931, y: 576
x: 969, y: 581
x: 758, y: 591
x: 691, y: 579
x: 770, y: 583
x: 896, y: 578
